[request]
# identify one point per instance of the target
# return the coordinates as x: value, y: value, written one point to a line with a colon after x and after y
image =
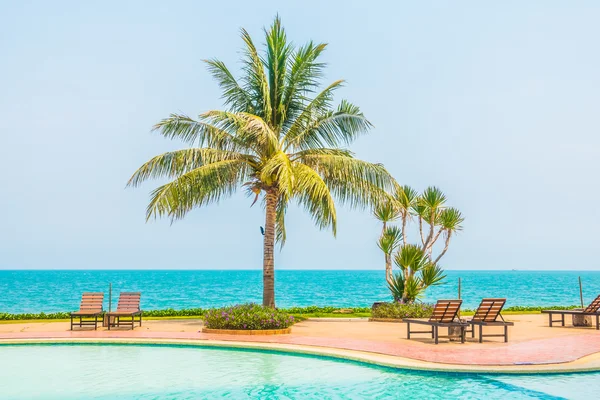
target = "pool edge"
x: 589, y: 363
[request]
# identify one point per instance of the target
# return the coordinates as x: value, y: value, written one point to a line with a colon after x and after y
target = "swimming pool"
x: 182, y: 372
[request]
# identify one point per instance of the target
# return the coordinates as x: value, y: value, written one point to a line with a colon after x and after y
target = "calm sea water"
x: 49, y: 291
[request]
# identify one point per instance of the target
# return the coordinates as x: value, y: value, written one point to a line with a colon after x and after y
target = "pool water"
x: 168, y: 372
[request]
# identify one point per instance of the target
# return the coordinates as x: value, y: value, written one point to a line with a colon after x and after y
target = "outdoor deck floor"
x: 531, y: 341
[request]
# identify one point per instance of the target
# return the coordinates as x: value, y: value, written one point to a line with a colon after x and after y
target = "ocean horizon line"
x: 288, y: 269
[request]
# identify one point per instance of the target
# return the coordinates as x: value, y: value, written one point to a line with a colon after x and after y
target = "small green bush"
x: 399, y: 310
x: 323, y: 310
x: 170, y: 312
x: 247, y: 317
x: 14, y: 317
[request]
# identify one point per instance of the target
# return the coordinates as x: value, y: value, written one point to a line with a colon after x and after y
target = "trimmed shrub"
x: 399, y: 310
x: 323, y: 310
x: 247, y: 317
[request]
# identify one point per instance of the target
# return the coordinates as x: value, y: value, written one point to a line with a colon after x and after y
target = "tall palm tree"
x: 279, y: 137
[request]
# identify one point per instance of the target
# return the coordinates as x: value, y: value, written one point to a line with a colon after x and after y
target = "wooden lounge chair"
x: 487, y: 315
x: 444, y: 315
x: 593, y: 310
x: 128, y: 308
x: 90, y: 307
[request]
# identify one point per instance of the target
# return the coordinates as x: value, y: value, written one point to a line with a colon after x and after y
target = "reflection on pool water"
x: 167, y: 372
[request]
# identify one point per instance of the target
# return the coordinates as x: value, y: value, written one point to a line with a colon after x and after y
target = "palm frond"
x: 396, y: 286
x: 353, y: 182
x: 390, y: 240
x: 255, y: 79
x: 176, y: 163
x: 332, y: 128
x: 194, y: 132
x: 278, y: 171
x: 251, y: 131
x: 320, y: 105
x: 406, y: 197
x: 201, y: 186
x: 387, y: 211
x: 236, y: 97
x: 451, y: 219
x: 280, y: 232
x: 312, y: 193
x: 432, y: 198
x: 411, y: 257
x: 321, y: 151
x: 304, y: 74
x: 432, y: 275
x: 276, y: 62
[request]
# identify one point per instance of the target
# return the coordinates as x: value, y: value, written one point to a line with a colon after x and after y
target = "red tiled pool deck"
x: 531, y: 342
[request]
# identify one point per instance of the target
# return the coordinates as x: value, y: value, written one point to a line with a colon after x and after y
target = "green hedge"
x: 324, y: 310
x: 538, y: 308
x: 198, y: 312
x: 247, y: 317
x: 170, y: 312
x: 399, y: 311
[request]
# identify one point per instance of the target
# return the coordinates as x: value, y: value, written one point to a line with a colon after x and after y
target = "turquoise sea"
x: 60, y: 290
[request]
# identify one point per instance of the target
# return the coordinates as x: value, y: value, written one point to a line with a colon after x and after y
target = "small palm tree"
x: 279, y: 137
x: 418, y: 269
x: 417, y: 273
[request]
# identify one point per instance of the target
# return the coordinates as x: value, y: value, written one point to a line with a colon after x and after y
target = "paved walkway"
x: 530, y: 341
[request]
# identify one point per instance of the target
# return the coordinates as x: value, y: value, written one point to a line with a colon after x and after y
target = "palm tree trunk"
x: 445, y: 248
x: 430, y: 235
x: 388, y: 258
x: 269, y: 250
x: 388, y: 268
x: 404, y: 216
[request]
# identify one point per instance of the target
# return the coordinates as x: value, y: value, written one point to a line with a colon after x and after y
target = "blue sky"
x: 494, y: 103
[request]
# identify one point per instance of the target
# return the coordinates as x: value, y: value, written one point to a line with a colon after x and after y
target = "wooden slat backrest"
x: 594, y: 306
x: 129, y: 301
x: 489, y: 310
x: 91, y: 302
x: 445, y: 310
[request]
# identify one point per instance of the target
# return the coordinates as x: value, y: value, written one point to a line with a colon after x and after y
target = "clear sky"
x: 495, y: 103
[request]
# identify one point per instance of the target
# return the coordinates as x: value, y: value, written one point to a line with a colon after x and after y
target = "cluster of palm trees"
x: 280, y: 137
x: 419, y: 269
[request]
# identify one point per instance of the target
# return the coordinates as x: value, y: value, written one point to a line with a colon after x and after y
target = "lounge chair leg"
x: 550, y: 319
x: 435, y: 329
x: 505, y: 333
x: 140, y: 319
x: 462, y: 334
x: 598, y: 322
x: 71, y: 322
x: 480, y: 333
x: 96, y: 323
x: 472, y: 331
x: 563, y: 319
x: 408, y: 330
x: 433, y: 332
